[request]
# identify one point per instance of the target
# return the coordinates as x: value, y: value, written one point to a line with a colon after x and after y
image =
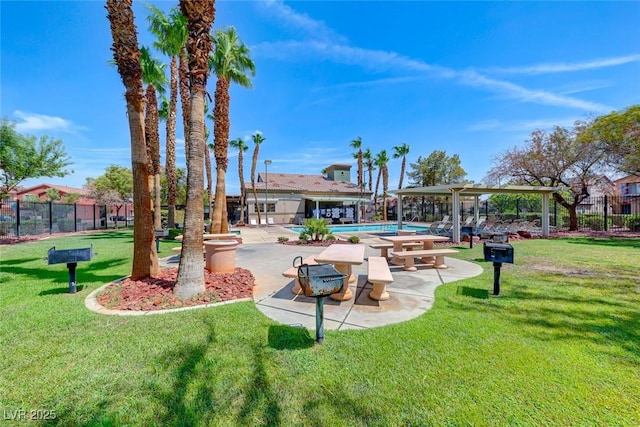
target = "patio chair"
x: 270, y: 221
x: 263, y: 221
x: 253, y: 223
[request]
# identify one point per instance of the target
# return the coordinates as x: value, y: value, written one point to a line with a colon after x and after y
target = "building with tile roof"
x: 290, y: 197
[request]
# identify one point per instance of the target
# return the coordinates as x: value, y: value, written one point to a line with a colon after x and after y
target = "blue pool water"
x: 363, y: 228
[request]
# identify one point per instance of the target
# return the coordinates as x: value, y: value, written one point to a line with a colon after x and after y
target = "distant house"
x: 290, y: 198
x: 628, y: 188
x: 40, y: 193
x: 598, y: 187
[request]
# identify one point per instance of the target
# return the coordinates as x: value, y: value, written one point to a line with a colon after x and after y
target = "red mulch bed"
x: 157, y: 293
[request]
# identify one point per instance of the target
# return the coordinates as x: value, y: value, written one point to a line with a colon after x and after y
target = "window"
x: 270, y: 206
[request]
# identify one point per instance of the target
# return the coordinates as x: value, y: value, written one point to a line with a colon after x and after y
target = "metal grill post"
x: 496, y: 278
x: 320, y: 320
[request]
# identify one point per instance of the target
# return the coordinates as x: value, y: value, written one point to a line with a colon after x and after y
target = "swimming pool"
x: 364, y: 228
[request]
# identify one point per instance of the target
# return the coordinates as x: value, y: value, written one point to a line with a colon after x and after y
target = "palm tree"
x: 200, y: 15
x: 357, y: 144
x: 171, y: 34
x: 231, y: 61
x: 380, y: 161
x: 242, y: 147
x: 367, y: 157
x: 153, y: 75
x: 126, y: 55
x: 401, y: 151
x: 257, y: 140
x: 207, y: 163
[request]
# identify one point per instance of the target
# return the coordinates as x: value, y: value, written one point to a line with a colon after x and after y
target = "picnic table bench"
x: 379, y: 275
x: 384, y: 247
x: 409, y: 262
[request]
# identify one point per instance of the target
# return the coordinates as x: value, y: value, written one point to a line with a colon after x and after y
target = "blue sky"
x: 470, y: 78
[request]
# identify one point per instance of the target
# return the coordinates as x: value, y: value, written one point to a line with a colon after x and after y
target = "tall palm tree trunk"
x: 170, y: 161
x: 385, y: 188
x: 183, y: 71
x: 153, y: 151
x: 200, y: 16
x: 207, y: 166
x: 127, y: 56
x: 221, y: 134
x: 243, y: 189
x: 254, y: 162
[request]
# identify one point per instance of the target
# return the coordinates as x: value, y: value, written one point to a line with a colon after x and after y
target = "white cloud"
x: 512, y: 90
x: 330, y: 46
x: 563, y: 67
x: 521, y: 125
x: 30, y: 122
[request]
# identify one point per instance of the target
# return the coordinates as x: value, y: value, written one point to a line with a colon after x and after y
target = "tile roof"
x: 305, y: 183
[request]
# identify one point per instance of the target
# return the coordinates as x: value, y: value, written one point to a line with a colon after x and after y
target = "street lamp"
x: 266, y: 191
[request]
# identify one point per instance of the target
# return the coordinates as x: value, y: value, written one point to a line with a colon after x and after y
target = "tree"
x: 239, y: 144
x: 357, y: 145
x: 557, y: 158
x: 401, y: 151
x: 127, y: 57
x: 153, y: 75
x: 380, y: 161
x: 367, y: 157
x: 437, y: 169
x: 618, y: 135
x: 113, y: 188
x: 231, y: 61
x: 207, y: 165
x: 257, y: 140
x: 52, y: 194
x: 23, y: 157
x: 171, y: 34
x: 200, y: 16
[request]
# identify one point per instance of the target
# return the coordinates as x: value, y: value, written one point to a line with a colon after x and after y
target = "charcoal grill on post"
x: 71, y: 257
x: 498, y: 253
x: 319, y: 281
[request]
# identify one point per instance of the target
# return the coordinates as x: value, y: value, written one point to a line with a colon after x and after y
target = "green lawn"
x: 561, y: 346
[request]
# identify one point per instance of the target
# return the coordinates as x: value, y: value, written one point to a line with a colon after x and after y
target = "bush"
x: 354, y: 239
x: 633, y: 222
x: 32, y: 227
x: 330, y: 237
x: 65, y: 225
x: 173, y: 232
x: 316, y: 228
x: 303, y: 238
x: 617, y: 220
x: 594, y: 224
x: 283, y: 239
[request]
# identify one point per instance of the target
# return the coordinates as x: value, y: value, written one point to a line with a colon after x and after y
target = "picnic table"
x: 427, y: 243
x: 343, y: 257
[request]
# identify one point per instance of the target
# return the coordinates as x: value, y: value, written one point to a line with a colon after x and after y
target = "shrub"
x: 617, y: 220
x: 283, y: 239
x: 316, y: 228
x: 330, y: 237
x: 354, y: 239
x: 303, y: 238
x: 594, y: 224
x: 32, y: 227
x: 633, y: 222
x: 65, y: 225
x: 173, y: 232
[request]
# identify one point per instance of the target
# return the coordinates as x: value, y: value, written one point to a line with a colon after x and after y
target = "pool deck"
x: 411, y: 293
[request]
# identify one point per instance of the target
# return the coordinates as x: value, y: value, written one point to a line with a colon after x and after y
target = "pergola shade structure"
x: 455, y: 191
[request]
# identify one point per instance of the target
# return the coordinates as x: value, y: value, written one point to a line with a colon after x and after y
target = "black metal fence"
x: 601, y: 213
x: 20, y: 218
